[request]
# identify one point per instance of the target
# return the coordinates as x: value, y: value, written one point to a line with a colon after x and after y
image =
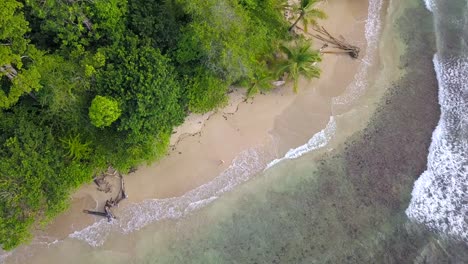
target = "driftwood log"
x: 340, y: 45
x: 322, y: 34
x: 112, y: 202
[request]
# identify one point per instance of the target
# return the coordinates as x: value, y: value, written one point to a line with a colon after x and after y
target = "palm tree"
x: 307, y: 13
x: 260, y: 81
x: 300, y: 60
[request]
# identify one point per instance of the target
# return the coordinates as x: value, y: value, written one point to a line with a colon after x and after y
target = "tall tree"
x: 104, y: 111
x: 144, y: 83
x: 307, y: 12
x: 300, y: 60
x: 18, y: 58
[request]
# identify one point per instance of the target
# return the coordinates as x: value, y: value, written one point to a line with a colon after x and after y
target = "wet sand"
x: 274, y: 123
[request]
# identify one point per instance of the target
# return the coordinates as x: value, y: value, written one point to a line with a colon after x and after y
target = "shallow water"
x: 440, y: 195
x: 341, y: 203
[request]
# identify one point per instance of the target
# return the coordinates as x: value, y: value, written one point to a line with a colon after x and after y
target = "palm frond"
x: 300, y: 60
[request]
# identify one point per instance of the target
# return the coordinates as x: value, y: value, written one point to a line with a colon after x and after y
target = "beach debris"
x: 332, y: 45
x: 112, y: 202
x: 343, y: 47
x: 278, y: 83
x: 103, y: 185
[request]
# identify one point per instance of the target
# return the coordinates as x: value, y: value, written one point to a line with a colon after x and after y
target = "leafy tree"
x: 300, y: 60
x: 144, y: 83
x: 307, y: 13
x: 64, y: 63
x: 17, y: 57
x: 214, y: 39
x: 32, y: 176
x: 261, y: 81
x: 206, y: 92
x: 160, y: 21
x: 74, y: 25
x: 63, y: 86
x: 104, y: 111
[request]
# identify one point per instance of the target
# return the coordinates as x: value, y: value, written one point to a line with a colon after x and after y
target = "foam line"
x: 317, y: 141
x: 440, y: 195
x: 138, y: 215
x: 372, y: 32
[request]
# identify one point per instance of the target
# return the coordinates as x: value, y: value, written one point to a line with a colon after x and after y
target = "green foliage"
x: 76, y: 149
x: 305, y: 10
x: 63, y: 86
x: 159, y: 21
x: 34, y: 180
x: 16, y: 56
x: 133, y: 68
x: 104, y: 111
x: 206, y: 92
x: 229, y: 39
x: 300, y: 60
x: 73, y: 25
x: 261, y: 81
x: 144, y: 82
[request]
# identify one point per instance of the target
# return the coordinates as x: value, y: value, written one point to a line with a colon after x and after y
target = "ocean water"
x: 328, y: 201
x: 347, y: 203
x: 440, y: 195
x: 244, y: 167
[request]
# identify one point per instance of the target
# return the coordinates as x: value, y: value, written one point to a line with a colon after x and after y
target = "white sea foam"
x: 372, y: 32
x: 430, y: 5
x: 440, y: 195
x: 317, y: 141
x: 138, y: 215
x: 243, y: 168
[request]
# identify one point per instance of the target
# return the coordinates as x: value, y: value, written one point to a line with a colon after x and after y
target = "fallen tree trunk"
x: 95, y: 213
x: 111, y: 202
x: 122, y: 195
x: 109, y: 214
x: 323, y: 35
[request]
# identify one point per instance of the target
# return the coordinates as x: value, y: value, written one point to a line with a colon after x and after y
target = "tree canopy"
x: 300, y: 60
x: 85, y: 84
x: 104, y: 111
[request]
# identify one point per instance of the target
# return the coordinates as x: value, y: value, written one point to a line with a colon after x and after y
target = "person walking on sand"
x: 221, y: 162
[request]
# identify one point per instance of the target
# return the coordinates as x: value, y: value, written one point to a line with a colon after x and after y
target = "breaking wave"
x: 440, y: 195
x: 372, y: 33
x: 138, y: 215
x: 317, y: 141
x: 430, y: 5
x: 244, y: 167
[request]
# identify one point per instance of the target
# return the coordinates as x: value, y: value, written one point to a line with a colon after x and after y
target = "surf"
x: 440, y: 195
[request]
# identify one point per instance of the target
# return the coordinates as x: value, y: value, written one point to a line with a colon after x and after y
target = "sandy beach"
x: 322, y: 176
x: 206, y: 145
x: 273, y: 122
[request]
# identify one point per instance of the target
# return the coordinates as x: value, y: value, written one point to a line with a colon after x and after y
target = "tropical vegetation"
x: 87, y: 84
x: 306, y: 12
x: 300, y: 60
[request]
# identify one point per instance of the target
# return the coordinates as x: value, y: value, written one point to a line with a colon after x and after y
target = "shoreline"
x: 261, y: 123
x: 199, y: 143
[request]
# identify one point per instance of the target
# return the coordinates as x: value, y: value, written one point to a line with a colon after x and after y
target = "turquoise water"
x: 340, y: 205
x: 344, y: 206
